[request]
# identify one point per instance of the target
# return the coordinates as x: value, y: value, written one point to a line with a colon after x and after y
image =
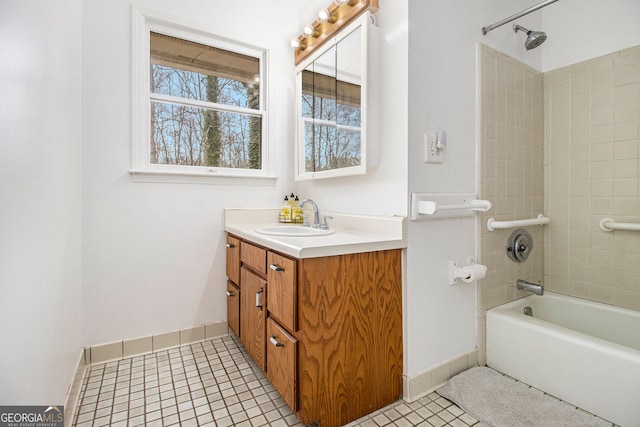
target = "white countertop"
x: 353, y: 233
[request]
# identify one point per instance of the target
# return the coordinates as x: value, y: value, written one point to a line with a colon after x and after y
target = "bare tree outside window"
x: 332, y: 119
x: 204, y: 106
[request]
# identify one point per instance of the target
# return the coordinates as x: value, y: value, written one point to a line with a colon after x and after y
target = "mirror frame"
x: 368, y: 148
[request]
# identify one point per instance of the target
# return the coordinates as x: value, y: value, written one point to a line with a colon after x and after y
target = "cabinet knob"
x: 275, y: 342
x: 276, y: 268
x: 230, y: 294
x: 230, y: 245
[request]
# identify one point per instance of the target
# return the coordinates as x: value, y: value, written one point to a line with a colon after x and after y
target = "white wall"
x: 583, y: 29
x: 40, y: 189
x: 441, y: 319
x: 154, y: 253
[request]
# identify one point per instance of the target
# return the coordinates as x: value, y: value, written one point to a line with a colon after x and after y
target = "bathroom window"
x: 200, y: 100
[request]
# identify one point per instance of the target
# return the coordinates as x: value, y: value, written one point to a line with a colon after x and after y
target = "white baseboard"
x: 424, y: 383
x: 128, y: 348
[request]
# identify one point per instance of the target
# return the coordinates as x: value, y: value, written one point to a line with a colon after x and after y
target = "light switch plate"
x: 431, y: 152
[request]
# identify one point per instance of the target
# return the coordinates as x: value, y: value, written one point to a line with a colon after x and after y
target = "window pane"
x: 192, y: 136
x: 348, y: 148
x: 326, y: 146
x: 309, y: 147
x: 349, y: 115
x: 195, y: 71
x: 332, y: 117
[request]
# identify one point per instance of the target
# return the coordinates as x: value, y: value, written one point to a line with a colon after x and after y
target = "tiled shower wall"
x: 592, y: 171
x: 511, y: 169
x: 566, y: 143
x: 510, y: 173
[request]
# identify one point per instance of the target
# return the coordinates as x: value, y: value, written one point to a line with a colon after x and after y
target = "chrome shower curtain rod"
x: 488, y: 28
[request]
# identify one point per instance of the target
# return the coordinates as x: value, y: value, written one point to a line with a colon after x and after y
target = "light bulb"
x: 325, y: 16
x: 341, y: 2
x: 295, y: 43
x: 308, y: 30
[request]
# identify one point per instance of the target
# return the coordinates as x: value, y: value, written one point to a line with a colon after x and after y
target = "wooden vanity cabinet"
x: 349, y: 335
x: 233, y: 283
x: 327, y: 331
x: 254, y: 257
x: 233, y: 307
x: 283, y: 292
x: 253, y: 316
x: 281, y: 325
x: 253, y: 302
x: 233, y: 259
x: 282, y: 362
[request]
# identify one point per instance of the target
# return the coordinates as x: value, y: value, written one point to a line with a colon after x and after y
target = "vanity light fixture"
x: 330, y: 20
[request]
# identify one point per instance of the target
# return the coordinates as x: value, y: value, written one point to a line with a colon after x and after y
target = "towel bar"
x: 492, y: 224
x: 609, y: 225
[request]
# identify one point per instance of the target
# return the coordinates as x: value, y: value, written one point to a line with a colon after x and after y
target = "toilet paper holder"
x: 468, y: 273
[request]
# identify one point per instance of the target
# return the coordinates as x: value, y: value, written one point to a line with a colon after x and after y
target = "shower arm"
x: 533, y: 8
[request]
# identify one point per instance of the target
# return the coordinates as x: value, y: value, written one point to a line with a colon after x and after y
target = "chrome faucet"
x: 316, y: 212
x: 531, y: 287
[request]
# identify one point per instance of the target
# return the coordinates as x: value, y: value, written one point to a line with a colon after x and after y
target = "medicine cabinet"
x: 335, y: 105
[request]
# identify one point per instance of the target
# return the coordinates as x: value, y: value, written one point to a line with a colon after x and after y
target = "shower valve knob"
x: 519, y: 245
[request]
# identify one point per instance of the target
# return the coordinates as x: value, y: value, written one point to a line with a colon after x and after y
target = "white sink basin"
x: 293, y: 231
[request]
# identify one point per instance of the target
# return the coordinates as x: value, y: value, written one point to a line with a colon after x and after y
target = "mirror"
x: 332, y: 94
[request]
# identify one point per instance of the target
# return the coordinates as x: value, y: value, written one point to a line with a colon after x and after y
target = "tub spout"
x: 528, y: 286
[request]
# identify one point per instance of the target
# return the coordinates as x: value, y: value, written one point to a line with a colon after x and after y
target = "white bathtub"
x: 585, y: 353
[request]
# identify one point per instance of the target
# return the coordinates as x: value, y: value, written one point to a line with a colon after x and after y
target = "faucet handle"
x: 305, y: 220
x: 324, y: 225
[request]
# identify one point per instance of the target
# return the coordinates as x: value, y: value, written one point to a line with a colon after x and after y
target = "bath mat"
x: 500, y: 401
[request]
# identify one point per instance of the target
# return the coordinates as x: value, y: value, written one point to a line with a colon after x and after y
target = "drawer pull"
x: 276, y: 268
x: 275, y: 342
x: 258, y: 302
x: 230, y: 294
x: 230, y: 245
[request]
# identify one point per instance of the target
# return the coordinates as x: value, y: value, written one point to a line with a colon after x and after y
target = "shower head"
x: 534, y: 38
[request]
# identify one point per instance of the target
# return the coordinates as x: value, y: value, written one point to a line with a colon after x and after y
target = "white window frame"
x: 144, y: 22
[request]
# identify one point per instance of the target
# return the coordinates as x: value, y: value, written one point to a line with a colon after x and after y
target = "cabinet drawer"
x: 254, y: 257
x: 233, y: 307
x: 282, y: 296
x: 282, y: 350
x: 233, y: 259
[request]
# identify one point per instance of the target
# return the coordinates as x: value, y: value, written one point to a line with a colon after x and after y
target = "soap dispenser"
x: 285, y: 210
x: 296, y: 211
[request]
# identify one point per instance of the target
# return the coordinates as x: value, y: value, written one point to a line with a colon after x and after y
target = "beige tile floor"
x: 215, y: 383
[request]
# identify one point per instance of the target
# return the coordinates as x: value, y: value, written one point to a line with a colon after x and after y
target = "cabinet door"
x: 350, y: 321
x: 233, y: 259
x: 281, y: 301
x: 281, y: 363
x: 253, y: 314
x: 233, y: 307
